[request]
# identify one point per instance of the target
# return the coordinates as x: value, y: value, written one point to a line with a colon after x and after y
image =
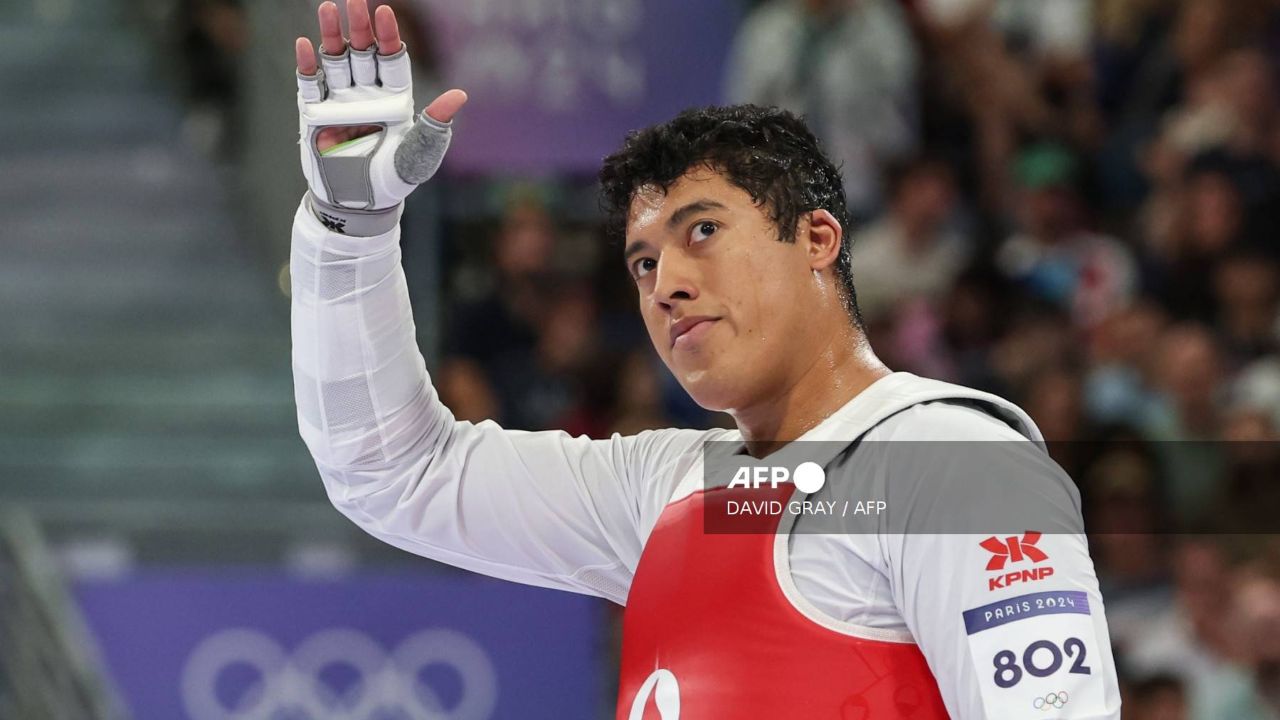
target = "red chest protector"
x: 709, y: 635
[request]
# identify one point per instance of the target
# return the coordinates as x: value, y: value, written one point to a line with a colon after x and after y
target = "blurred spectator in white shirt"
x: 848, y: 66
x: 1043, y: 28
x: 1194, y: 641
x: 914, y: 251
x: 1256, y: 608
x: 1018, y: 68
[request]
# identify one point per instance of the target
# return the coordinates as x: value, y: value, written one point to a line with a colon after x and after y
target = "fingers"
x: 384, y: 21
x: 364, y: 69
x: 360, y: 68
x: 337, y: 69
x: 421, y: 150
x: 330, y: 29
x: 310, y: 86
x: 361, y: 26
x: 344, y: 65
x: 306, y: 55
x: 393, y: 57
x: 443, y: 108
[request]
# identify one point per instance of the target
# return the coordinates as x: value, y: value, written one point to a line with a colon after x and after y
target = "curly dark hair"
x: 768, y: 152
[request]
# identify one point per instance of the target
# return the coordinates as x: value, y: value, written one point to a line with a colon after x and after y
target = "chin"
x: 709, y: 389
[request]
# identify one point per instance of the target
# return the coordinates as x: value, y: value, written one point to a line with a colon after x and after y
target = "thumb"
x: 443, y: 108
x: 423, y: 147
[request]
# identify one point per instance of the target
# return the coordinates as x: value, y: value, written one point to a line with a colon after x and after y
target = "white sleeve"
x: 1011, y: 625
x: 540, y: 508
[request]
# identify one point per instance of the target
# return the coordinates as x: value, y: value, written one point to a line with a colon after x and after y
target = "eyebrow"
x: 692, y: 208
x: 678, y: 217
x: 635, y: 247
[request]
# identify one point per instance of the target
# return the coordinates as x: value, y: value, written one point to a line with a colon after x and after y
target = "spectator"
x: 1125, y: 510
x: 1220, y: 140
x: 1207, y: 222
x: 848, y: 66
x: 1159, y: 697
x: 1188, y: 416
x: 501, y: 319
x: 1052, y: 255
x: 1016, y: 67
x: 639, y: 405
x: 1137, y: 71
x: 1193, y: 641
x: 1247, y: 89
x: 1038, y: 30
x: 546, y: 388
x: 1189, y: 373
x: 1053, y: 401
x: 914, y: 251
x: 212, y: 35
x: 1122, y: 361
x: 1246, y: 288
x: 1256, y: 607
x: 1246, y: 499
x: 973, y: 318
x: 466, y: 389
x: 1138, y: 79
x: 1034, y: 342
x: 1255, y: 394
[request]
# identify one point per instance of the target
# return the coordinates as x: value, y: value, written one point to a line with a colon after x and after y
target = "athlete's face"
x: 730, y: 308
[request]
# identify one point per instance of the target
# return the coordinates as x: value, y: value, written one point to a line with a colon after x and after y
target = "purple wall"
x: 203, y: 643
x: 556, y: 84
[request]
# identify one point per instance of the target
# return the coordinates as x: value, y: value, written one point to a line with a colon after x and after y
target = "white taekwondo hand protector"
x: 357, y: 187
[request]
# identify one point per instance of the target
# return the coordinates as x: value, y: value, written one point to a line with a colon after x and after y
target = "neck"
x: 841, y: 370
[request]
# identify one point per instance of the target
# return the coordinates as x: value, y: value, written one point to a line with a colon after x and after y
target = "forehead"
x: 651, y: 205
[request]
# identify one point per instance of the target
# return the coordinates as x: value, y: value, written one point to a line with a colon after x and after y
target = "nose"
x: 675, y: 280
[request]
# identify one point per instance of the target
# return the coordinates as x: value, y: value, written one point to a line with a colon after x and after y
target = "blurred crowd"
x: 1070, y: 203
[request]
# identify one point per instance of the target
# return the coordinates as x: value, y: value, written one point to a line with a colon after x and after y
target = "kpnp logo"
x: 1014, y: 550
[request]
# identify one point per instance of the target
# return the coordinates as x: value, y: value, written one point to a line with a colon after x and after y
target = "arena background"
x: 1072, y: 203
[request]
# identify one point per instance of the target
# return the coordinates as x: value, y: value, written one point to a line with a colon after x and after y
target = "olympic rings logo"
x: 1054, y: 700
x: 299, y: 685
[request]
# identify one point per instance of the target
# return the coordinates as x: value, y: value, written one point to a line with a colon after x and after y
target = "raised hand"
x: 361, y: 149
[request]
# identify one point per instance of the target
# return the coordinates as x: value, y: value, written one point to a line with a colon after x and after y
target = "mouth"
x: 689, y: 330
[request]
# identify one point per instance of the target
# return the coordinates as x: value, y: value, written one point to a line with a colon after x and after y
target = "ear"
x: 823, y: 237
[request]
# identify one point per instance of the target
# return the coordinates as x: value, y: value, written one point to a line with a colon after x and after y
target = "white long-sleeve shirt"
x: 547, y: 509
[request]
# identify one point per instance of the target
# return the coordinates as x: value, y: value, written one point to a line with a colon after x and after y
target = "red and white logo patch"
x: 1011, y: 551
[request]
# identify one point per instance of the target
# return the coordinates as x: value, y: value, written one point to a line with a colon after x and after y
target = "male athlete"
x: 734, y: 225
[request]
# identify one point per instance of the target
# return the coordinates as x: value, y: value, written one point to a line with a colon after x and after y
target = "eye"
x: 642, y: 267
x: 702, y: 230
